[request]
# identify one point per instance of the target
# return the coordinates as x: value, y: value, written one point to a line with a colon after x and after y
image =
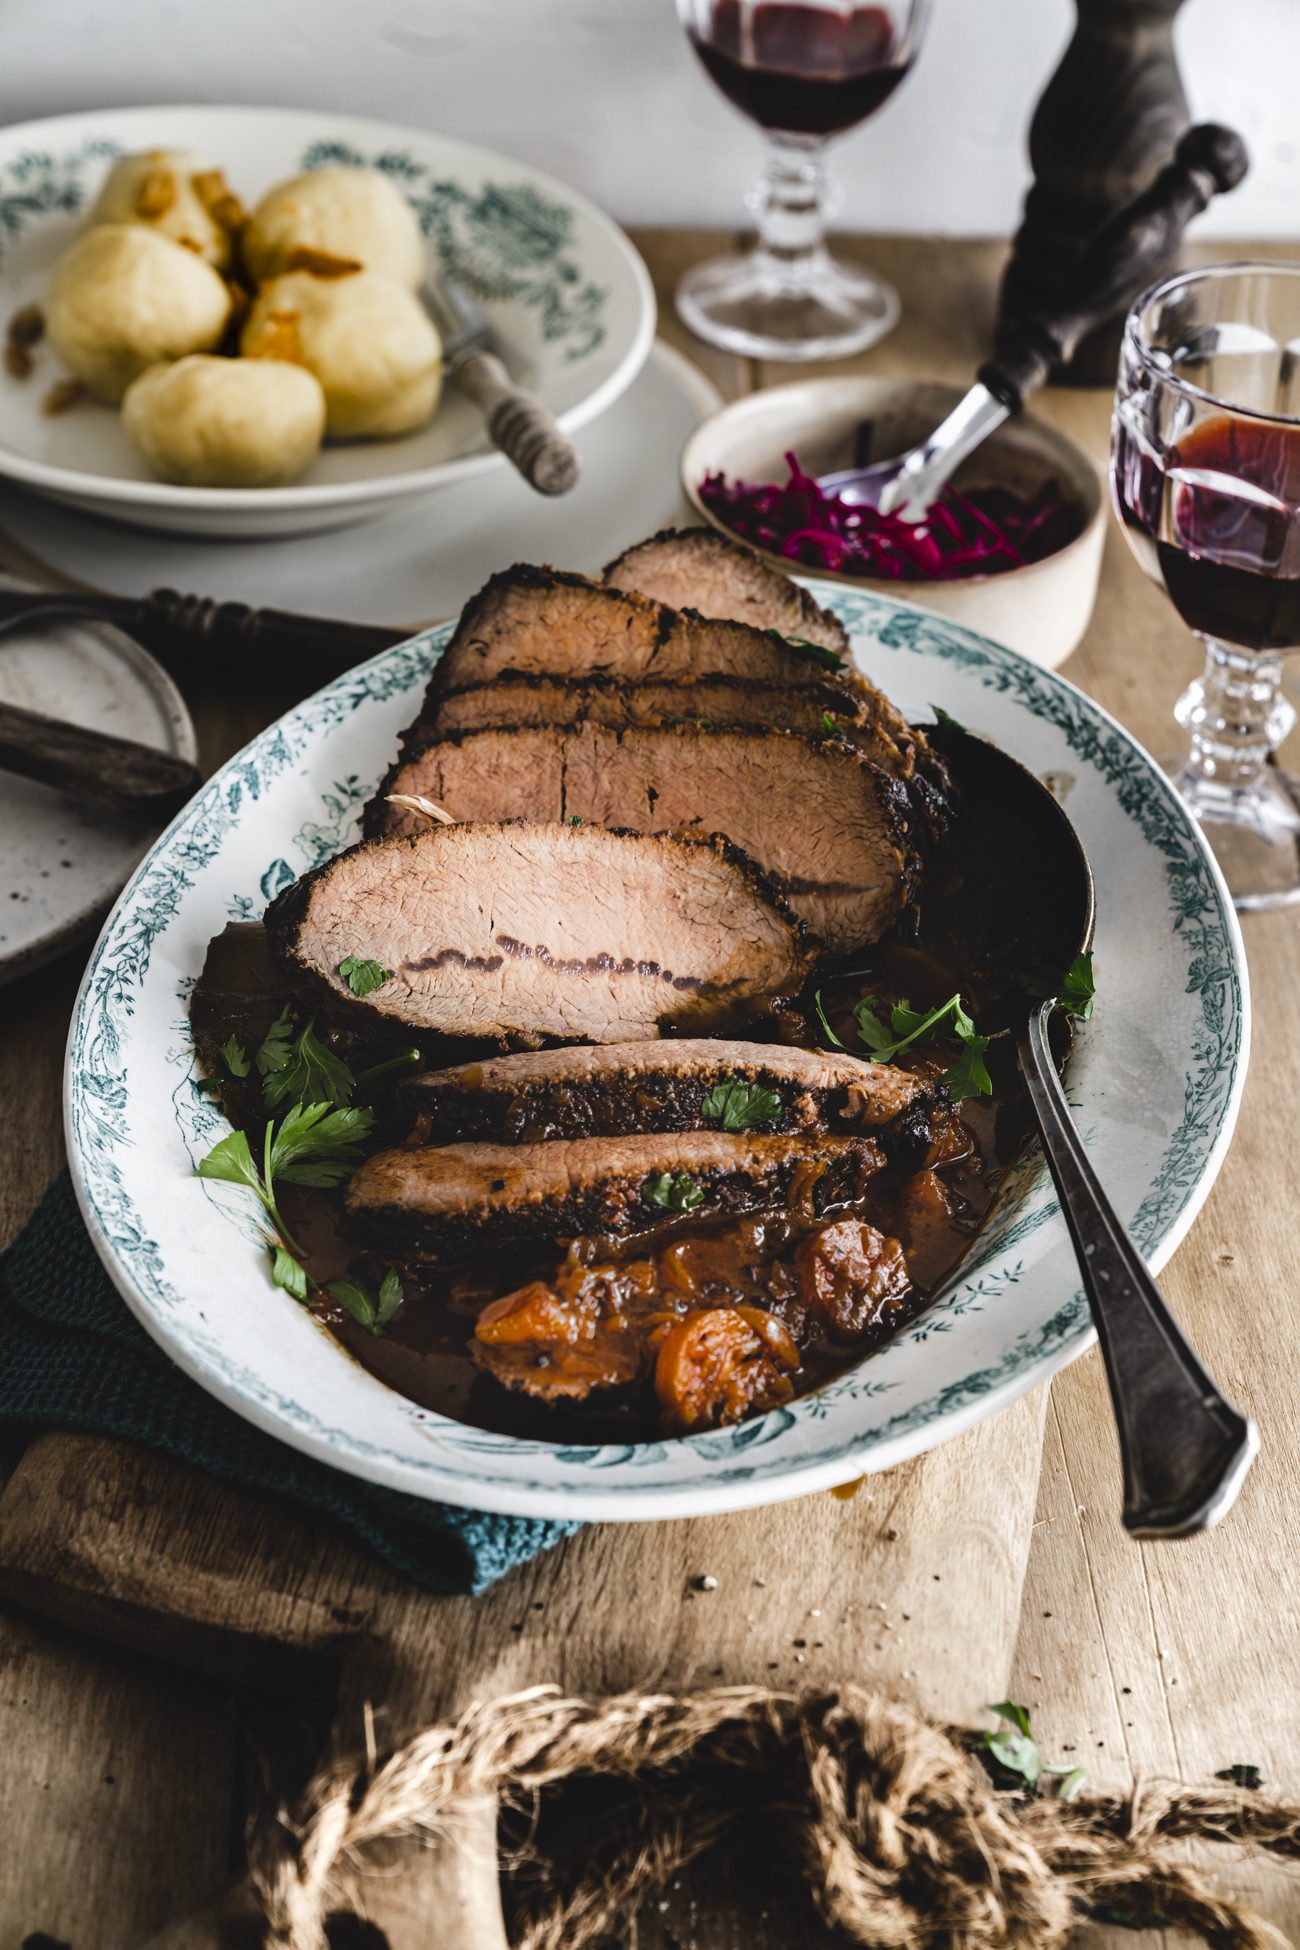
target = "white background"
x: 606, y: 93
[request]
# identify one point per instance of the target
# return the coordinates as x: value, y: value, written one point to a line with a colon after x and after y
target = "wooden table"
x: 124, y: 1778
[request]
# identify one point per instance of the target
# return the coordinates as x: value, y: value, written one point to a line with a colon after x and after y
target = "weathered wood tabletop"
x: 122, y: 1725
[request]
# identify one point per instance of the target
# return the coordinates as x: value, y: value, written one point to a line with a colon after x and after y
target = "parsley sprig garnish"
x: 374, y: 1313
x: 314, y: 1144
x: 235, y: 1057
x: 884, y: 1041
x: 302, y: 1069
x: 738, y: 1105
x: 673, y: 1191
x: 1074, y: 990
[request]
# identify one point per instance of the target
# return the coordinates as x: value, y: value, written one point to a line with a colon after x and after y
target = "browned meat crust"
x: 696, y: 568
x: 455, y: 1200
x: 653, y: 1087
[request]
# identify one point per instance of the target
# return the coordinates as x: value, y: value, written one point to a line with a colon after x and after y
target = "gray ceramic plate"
x: 62, y: 863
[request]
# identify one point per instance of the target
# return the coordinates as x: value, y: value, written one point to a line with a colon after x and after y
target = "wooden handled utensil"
x: 133, y: 780
x: 182, y: 630
x: 517, y: 421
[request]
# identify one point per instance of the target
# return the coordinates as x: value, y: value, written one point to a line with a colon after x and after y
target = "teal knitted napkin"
x: 72, y: 1357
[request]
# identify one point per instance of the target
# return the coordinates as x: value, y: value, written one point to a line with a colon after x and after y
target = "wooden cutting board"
x: 912, y: 1582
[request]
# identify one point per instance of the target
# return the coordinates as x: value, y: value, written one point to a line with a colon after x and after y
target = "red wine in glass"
x: 1214, y: 518
x: 801, y: 68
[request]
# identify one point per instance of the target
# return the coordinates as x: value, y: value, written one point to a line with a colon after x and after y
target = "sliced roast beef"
x: 548, y: 623
x: 696, y: 568
x: 540, y: 933
x: 831, y: 828
x: 819, y: 705
x: 683, y: 1084
x: 450, y: 1201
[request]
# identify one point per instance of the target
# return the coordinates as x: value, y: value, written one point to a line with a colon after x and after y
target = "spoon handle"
x: 133, y: 780
x: 1184, y: 1448
x: 1124, y: 255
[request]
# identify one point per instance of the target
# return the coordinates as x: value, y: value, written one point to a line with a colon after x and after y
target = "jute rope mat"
x: 902, y: 1839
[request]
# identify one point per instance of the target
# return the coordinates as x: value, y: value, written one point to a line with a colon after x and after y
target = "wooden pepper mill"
x: 1108, y: 119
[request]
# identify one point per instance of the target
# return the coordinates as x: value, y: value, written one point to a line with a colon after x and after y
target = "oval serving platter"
x: 567, y: 295
x: 1156, y: 1080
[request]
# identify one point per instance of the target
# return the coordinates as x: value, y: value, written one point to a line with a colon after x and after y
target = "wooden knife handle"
x: 519, y: 424
x: 131, y: 779
x: 278, y: 640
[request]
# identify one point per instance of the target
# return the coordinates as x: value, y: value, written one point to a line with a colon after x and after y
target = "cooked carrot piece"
x: 850, y: 1276
x: 536, y: 1313
x: 717, y: 1367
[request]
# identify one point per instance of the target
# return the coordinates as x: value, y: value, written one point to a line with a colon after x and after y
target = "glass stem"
x: 791, y: 202
x: 1235, y: 716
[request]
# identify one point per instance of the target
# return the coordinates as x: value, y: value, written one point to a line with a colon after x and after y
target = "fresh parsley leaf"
x: 312, y: 1074
x: 286, y: 1272
x: 390, y: 1297
x: 1013, y: 1759
x: 231, y: 1161
x: 1013, y: 1747
x: 871, y: 1028
x: 235, y: 1057
x: 1074, y: 991
x: 1242, y: 1774
x: 820, y: 654
x: 316, y: 1144
x: 968, y: 1076
x: 827, y: 1031
x: 946, y: 719
x: 362, y: 976
x: 277, y: 1045
x: 355, y: 1299
x: 829, y: 722
x: 574, y: 819
x: 738, y: 1106
x: 674, y: 1191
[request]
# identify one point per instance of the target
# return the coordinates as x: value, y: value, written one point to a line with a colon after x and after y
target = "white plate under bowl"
x: 568, y: 297
x: 1156, y: 1078
x: 63, y: 862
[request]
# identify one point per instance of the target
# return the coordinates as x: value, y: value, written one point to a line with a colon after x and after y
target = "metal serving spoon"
x: 1184, y: 1448
x: 1123, y: 256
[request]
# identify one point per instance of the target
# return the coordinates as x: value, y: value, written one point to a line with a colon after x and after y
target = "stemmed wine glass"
x: 1205, y: 473
x: 804, y: 70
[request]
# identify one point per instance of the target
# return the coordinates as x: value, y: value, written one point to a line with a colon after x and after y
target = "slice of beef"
x: 654, y: 1087
x: 545, y: 622
x: 819, y: 705
x: 452, y: 1201
x: 831, y: 828
x: 542, y: 932
x: 696, y: 568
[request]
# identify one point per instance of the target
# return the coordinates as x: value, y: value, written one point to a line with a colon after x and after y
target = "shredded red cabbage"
x: 979, y: 533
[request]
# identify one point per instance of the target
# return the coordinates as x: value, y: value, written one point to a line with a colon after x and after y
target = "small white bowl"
x: 1041, y: 610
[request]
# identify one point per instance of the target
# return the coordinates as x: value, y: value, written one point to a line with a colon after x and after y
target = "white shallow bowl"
x: 1041, y: 610
x: 569, y: 298
x: 1157, y: 1078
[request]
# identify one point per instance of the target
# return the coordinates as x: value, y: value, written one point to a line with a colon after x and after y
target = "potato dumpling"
x: 208, y: 422
x: 122, y: 297
x: 368, y: 340
x: 178, y: 194
x: 354, y: 215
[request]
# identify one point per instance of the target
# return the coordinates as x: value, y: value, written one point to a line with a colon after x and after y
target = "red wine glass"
x: 804, y: 70
x: 1205, y: 473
